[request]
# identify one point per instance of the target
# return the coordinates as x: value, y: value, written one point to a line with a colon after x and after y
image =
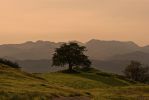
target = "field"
x: 16, y: 85
x: 94, y: 84
x: 101, y: 86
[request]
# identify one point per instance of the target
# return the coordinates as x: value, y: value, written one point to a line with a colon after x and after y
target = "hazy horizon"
x: 34, y: 41
x: 81, y: 20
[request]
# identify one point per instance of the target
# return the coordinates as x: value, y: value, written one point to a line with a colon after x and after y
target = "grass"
x: 102, y: 86
x: 83, y: 80
x: 18, y: 85
x: 122, y: 93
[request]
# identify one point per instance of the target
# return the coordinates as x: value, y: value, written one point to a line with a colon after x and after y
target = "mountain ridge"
x: 99, y: 51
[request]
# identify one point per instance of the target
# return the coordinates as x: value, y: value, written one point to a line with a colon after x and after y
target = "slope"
x: 102, y: 86
x: 16, y: 85
x: 86, y: 80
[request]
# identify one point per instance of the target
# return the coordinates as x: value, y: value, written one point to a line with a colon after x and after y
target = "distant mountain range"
x: 111, y: 56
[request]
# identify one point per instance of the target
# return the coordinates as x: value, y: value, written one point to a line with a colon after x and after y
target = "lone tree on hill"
x: 137, y: 72
x: 71, y: 54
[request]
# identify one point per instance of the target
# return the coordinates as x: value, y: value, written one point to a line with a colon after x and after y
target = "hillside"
x: 86, y: 80
x: 16, y: 85
x: 102, y: 86
x: 138, y: 56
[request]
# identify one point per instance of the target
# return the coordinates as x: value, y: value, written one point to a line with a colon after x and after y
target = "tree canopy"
x: 137, y: 72
x: 71, y: 54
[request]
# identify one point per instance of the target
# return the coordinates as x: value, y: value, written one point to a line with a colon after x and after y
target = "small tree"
x: 136, y: 72
x: 71, y: 54
x: 9, y: 63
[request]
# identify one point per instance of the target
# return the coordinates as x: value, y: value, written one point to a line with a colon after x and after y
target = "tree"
x: 137, y: 72
x: 9, y: 63
x: 71, y: 54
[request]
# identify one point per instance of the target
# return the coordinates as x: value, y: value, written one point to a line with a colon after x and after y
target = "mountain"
x: 38, y: 66
x: 44, y: 49
x: 29, y: 50
x: 137, y: 56
x: 115, y: 64
x: 101, y: 50
x: 110, y: 56
x: 145, y: 49
x: 42, y: 66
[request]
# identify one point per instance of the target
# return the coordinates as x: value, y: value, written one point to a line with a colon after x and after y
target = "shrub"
x: 137, y: 72
x: 9, y: 63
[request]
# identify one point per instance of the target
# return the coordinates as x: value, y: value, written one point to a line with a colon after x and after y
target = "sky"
x: 82, y: 20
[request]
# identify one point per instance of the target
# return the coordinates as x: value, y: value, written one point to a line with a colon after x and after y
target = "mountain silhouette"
x: 110, y: 56
x: 97, y: 49
x: 101, y: 50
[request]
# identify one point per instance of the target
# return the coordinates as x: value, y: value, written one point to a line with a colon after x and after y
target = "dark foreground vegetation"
x: 9, y: 63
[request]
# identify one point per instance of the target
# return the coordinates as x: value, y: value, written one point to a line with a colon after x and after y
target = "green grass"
x: 17, y: 85
x: 122, y: 93
x: 102, y: 86
x: 84, y: 80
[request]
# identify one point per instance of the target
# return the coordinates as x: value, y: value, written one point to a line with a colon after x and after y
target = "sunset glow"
x: 82, y: 20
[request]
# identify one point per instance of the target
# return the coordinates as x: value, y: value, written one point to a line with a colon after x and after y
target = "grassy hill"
x: 85, y: 80
x: 18, y: 85
x: 102, y: 86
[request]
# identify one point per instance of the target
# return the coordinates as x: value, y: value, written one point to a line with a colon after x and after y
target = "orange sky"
x: 64, y: 20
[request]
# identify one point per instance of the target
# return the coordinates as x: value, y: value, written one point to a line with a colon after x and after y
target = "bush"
x: 9, y: 63
x: 137, y: 72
